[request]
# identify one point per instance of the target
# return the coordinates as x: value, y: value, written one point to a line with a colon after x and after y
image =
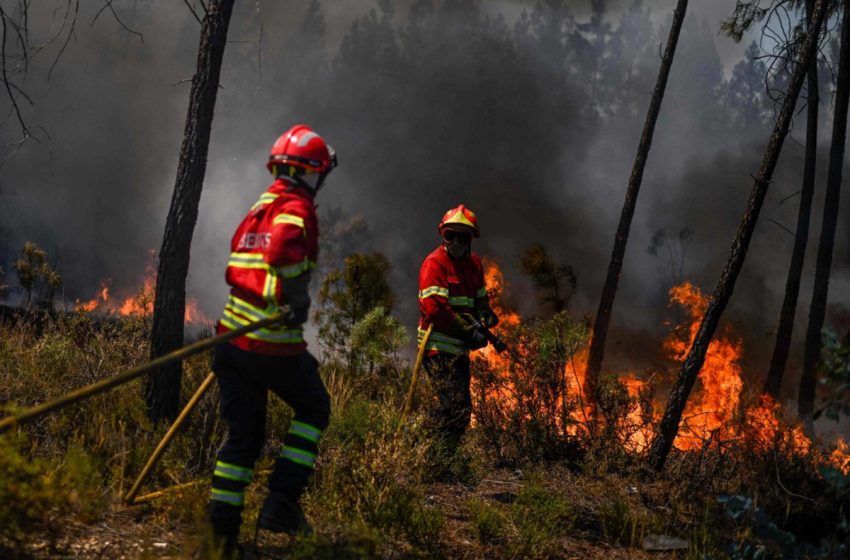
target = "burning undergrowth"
x: 138, y: 302
x: 532, y: 400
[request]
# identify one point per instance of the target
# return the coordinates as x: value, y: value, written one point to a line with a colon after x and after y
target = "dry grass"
x: 382, y: 489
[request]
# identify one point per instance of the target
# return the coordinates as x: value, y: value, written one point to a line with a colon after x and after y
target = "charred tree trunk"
x: 609, y: 290
x: 669, y: 425
x: 773, y: 383
x: 162, y: 391
x: 820, y: 291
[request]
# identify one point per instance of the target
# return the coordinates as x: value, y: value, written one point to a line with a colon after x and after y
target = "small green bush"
x: 370, y: 481
x: 625, y: 524
x: 42, y: 495
x: 488, y: 522
x: 541, y: 517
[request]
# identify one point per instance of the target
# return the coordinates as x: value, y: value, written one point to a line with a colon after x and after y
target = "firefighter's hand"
x: 298, y: 314
x: 477, y: 340
x: 488, y: 318
x: 298, y: 299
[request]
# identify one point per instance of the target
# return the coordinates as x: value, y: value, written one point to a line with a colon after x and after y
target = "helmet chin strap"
x: 299, y: 180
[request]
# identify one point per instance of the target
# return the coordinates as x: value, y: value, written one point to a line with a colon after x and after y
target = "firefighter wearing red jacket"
x: 272, y: 253
x: 451, y: 297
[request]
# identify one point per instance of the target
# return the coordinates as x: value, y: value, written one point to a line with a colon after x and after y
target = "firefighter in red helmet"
x: 453, y: 299
x: 271, y: 256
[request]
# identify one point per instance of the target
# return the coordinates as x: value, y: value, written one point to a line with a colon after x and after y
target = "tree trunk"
x: 669, y: 425
x: 773, y: 383
x: 162, y: 391
x: 609, y: 290
x: 820, y: 291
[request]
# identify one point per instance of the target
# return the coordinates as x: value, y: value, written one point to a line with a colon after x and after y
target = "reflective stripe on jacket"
x: 279, y: 238
x: 448, y: 286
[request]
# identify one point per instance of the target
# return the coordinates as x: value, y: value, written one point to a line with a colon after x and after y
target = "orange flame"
x: 714, y: 411
x: 494, y: 280
x: 711, y: 409
x: 140, y: 304
x: 94, y: 303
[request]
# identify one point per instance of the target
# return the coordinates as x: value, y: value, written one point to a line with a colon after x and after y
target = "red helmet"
x: 301, y: 147
x: 460, y: 216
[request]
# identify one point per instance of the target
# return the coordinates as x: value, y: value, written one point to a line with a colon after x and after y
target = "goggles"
x: 450, y: 235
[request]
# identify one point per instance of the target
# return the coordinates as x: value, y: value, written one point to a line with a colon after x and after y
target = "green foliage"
x: 78, y: 456
x: 38, y: 494
x: 555, y: 284
x: 361, y: 543
x: 532, y: 526
x: 624, y: 524
x: 32, y: 267
x: 488, y: 521
x: 835, y: 369
x: 541, y: 518
x: 369, y: 488
x: 376, y: 340
x: 356, y: 328
x: 28, y: 265
x: 745, y: 16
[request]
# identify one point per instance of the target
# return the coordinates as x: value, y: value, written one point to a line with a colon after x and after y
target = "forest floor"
x: 136, y: 532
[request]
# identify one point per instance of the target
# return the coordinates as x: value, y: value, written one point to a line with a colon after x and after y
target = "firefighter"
x: 272, y: 253
x: 453, y: 299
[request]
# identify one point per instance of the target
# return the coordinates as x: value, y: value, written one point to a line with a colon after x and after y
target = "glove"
x: 487, y: 317
x: 477, y: 340
x: 298, y: 298
x: 471, y: 331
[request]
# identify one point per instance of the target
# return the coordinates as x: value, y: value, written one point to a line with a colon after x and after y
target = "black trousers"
x: 245, y: 379
x: 449, y: 374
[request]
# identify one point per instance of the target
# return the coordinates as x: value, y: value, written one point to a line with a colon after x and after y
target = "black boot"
x: 222, y: 539
x: 281, y: 514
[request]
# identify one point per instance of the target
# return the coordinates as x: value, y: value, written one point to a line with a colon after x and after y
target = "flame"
x: 500, y: 364
x: 714, y: 413
x: 840, y: 456
x: 140, y: 304
x: 711, y: 409
x: 494, y: 280
x: 91, y: 305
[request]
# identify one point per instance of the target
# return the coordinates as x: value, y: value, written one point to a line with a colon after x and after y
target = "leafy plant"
x: 346, y: 297
x: 528, y: 406
x: 31, y: 267
x: 835, y: 369
x: 488, y: 521
x: 556, y: 284
x: 541, y: 518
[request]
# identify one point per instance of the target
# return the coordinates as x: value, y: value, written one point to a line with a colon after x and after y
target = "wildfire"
x: 500, y: 364
x: 711, y: 409
x: 138, y: 305
x: 715, y: 412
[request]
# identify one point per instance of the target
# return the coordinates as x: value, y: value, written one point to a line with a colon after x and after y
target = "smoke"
x: 529, y: 115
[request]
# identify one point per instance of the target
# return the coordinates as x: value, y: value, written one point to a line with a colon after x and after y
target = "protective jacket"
x: 279, y: 238
x: 448, y: 286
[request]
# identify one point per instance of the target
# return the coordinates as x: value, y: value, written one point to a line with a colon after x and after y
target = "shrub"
x: 526, y: 405
x: 38, y: 494
x: 370, y: 480
x: 488, y: 522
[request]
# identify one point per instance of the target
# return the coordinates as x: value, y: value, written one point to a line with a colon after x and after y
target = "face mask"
x: 457, y: 249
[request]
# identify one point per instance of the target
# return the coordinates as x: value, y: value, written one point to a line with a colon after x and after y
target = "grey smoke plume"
x: 527, y: 115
